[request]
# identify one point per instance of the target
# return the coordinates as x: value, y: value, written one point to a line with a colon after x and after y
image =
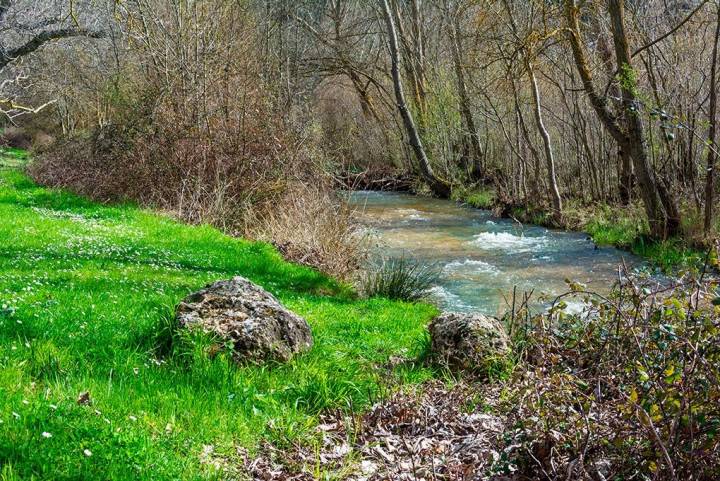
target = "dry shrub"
x: 260, y: 186
x: 628, y: 390
x: 16, y: 137
x: 311, y: 225
x: 198, y: 133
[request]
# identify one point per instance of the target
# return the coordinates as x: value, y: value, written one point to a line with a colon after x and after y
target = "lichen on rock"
x: 467, y: 342
x: 253, y: 320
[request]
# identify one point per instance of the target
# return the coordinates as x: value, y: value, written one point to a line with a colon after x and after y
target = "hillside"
x: 87, y: 294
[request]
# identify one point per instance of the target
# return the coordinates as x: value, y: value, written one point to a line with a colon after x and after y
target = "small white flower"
x: 46, y: 434
x: 133, y: 418
x: 87, y: 452
x: 17, y: 416
x: 53, y: 407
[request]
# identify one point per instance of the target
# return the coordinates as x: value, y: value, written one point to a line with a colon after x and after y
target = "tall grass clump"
x: 314, y: 228
x: 400, y: 278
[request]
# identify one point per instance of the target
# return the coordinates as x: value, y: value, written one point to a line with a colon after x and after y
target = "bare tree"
x: 454, y: 12
x: 25, y: 27
x: 712, y: 131
x: 661, y: 208
x: 438, y: 186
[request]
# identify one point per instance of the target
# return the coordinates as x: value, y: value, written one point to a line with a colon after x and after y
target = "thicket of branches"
x: 193, y: 105
x: 626, y: 390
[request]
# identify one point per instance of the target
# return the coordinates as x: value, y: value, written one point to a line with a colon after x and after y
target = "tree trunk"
x: 553, y: 191
x: 626, y: 177
x: 626, y: 173
x: 472, y: 134
x: 438, y: 186
x: 712, y: 133
x: 660, y: 209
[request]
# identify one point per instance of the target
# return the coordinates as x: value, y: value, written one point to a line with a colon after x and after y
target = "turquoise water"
x: 482, y: 258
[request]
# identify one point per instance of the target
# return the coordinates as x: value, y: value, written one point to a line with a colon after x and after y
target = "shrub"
x: 630, y: 389
x: 400, y: 278
x: 314, y: 227
x: 233, y: 159
x: 480, y: 197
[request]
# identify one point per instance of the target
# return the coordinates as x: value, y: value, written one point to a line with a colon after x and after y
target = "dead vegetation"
x: 174, y: 136
x: 430, y: 433
x: 628, y: 389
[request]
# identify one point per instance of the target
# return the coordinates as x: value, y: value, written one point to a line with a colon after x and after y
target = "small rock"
x: 245, y: 314
x: 368, y: 467
x: 84, y: 398
x: 467, y: 342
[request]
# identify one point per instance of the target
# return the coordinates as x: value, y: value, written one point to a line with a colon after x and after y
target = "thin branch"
x: 671, y: 31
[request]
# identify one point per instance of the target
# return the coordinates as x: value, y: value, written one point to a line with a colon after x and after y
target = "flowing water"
x: 482, y: 258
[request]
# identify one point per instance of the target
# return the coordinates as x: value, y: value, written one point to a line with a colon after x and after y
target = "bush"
x: 313, y: 227
x: 235, y: 159
x: 630, y: 389
x: 480, y: 197
x: 401, y: 279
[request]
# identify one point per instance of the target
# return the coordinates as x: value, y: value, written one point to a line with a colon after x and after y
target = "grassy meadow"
x: 87, y: 296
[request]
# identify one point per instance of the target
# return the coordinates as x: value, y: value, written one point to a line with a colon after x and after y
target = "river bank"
x: 87, y: 294
x: 622, y: 227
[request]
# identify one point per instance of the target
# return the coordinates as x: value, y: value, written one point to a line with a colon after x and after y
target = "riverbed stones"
x: 468, y: 342
x: 250, y: 318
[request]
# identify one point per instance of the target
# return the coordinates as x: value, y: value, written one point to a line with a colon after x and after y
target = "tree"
x: 25, y: 27
x: 659, y: 205
x: 527, y: 49
x: 712, y: 131
x: 437, y: 185
x: 476, y: 153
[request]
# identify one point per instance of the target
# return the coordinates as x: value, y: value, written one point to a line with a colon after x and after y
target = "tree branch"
x: 671, y: 31
x: 42, y: 38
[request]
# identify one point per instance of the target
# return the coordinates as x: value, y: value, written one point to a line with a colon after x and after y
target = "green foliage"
x: 607, y: 228
x: 628, y: 79
x: 87, y: 294
x: 400, y: 278
x: 627, y: 228
x: 532, y: 215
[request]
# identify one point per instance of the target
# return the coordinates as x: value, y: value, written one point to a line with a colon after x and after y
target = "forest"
x: 474, y: 239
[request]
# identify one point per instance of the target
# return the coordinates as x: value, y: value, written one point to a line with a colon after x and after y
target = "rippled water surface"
x: 481, y: 257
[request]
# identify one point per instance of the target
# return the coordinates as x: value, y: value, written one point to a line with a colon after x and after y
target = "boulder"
x: 236, y: 310
x: 468, y: 342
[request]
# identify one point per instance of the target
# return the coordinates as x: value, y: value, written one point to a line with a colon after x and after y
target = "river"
x: 482, y: 258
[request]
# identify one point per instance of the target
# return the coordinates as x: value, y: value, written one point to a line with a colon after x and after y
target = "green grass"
x: 627, y: 228
x: 479, y: 197
x: 87, y: 294
x: 12, y: 157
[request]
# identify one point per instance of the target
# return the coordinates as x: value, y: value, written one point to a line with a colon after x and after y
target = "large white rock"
x: 244, y: 313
